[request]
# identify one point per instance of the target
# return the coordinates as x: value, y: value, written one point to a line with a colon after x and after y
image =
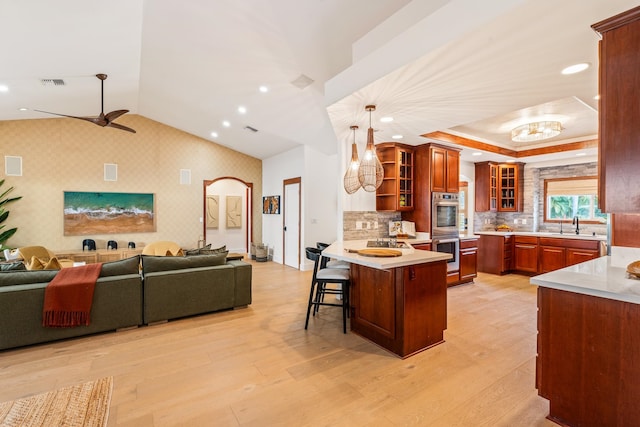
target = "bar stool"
x: 331, y: 263
x: 321, y: 277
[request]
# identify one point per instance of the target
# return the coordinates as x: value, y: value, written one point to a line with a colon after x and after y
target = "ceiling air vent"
x: 52, y: 82
x: 302, y: 81
x: 254, y: 130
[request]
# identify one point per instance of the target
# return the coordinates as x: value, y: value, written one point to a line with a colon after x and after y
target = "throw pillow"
x: 43, y: 264
x: 12, y: 266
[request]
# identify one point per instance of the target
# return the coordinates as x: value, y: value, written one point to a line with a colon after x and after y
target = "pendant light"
x: 370, y: 172
x: 351, y: 181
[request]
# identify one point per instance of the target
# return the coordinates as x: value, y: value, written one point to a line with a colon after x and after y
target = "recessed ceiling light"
x: 576, y: 68
x: 580, y: 154
x: 597, y: 97
x: 511, y: 161
x: 4, y: 88
x: 386, y: 119
x: 226, y: 123
x: 242, y: 109
x: 23, y: 109
x: 476, y: 153
x: 214, y: 134
x: 263, y: 89
x: 397, y: 137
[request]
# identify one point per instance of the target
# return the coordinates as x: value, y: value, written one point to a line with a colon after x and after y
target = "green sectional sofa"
x: 117, y: 304
x: 126, y: 296
x: 175, y: 287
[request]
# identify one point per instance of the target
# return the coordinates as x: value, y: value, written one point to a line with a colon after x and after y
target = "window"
x: 567, y: 198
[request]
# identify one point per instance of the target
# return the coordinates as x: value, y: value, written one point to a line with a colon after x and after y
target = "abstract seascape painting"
x: 108, y: 213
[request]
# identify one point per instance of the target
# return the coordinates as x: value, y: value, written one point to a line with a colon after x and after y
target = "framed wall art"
x: 234, y: 211
x: 271, y: 205
x: 213, y: 211
x: 108, y: 213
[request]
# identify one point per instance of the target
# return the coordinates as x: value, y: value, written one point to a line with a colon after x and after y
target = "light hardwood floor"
x: 259, y: 367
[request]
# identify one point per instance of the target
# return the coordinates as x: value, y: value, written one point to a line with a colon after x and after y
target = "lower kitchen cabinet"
x: 468, y: 260
x: 495, y: 253
x: 526, y: 254
x: 552, y: 258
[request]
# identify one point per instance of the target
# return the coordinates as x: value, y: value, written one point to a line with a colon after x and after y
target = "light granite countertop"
x: 410, y: 256
x: 567, y: 235
x: 604, y: 277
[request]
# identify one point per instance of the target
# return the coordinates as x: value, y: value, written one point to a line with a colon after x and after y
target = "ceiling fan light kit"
x: 370, y: 172
x: 103, y: 120
x: 536, y: 131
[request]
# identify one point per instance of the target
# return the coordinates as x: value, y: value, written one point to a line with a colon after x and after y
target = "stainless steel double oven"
x: 445, y: 232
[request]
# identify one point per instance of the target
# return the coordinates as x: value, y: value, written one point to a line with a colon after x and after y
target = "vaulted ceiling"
x: 471, y: 69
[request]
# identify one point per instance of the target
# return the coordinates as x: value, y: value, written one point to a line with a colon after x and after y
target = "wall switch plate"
x: 358, y: 225
x: 515, y: 221
x: 524, y: 220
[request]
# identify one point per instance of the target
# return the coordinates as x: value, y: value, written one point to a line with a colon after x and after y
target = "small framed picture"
x: 271, y: 205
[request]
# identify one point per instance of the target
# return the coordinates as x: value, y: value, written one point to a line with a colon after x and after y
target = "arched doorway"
x: 227, y: 213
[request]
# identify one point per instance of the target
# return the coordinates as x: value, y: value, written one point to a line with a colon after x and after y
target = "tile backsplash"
x: 363, y: 225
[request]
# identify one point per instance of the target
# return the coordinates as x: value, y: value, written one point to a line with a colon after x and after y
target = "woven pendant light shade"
x: 351, y: 181
x: 370, y: 172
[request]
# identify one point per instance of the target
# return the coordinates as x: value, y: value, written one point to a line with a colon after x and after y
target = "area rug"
x: 85, y: 404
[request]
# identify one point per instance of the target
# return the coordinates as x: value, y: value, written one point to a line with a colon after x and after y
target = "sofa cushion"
x: 121, y: 267
x: 207, y: 250
x: 12, y: 266
x: 8, y: 278
x: 152, y: 263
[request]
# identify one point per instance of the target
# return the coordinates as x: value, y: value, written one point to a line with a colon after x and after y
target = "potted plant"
x: 4, y: 214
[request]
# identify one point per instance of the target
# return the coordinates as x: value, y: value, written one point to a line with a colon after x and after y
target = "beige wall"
x: 68, y: 155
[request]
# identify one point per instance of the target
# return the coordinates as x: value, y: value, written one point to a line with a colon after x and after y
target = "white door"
x: 291, y: 222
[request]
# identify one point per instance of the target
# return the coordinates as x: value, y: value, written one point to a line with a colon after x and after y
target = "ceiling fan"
x: 103, y: 119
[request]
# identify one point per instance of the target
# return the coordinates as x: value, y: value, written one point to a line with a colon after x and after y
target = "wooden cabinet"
x: 422, y: 246
x: 431, y: 162
x: 445, y: 169
x: 495, y: 254
x: 468, y: 260
x: 619, y: 127
x: 486, y: 187
x: 402, y: 309
x: 552, y: 258
x: 587, y: 362
x: 499, y: 187
x: 526, y: 254
x: 576, y: 256
x: 396, y: 191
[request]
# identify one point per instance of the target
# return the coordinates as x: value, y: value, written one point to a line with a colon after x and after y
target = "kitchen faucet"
x: 576, y: 222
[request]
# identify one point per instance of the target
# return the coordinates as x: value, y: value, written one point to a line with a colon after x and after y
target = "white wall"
x: 319, y: 215
x: 233, y: 238
x: 275, y: 170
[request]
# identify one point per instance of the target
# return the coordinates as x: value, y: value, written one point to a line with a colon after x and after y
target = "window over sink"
x: 566, y: 198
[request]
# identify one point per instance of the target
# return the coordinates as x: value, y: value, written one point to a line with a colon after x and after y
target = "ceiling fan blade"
x: 115, y: 114
x: 117, y: 126
x: 88, y: 119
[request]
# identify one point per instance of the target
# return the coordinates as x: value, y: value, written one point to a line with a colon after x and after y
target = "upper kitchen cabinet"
x: 618, y: 154
x: 499, y: 187
x: 486, y: 187
x: 396, y: 191
x: 445, y: 169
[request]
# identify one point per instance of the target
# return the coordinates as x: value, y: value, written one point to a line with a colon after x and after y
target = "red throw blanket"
x: 68, y: 297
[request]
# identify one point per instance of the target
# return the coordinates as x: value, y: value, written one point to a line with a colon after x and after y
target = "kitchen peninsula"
x: 588, y: 339
x: 399, y: 303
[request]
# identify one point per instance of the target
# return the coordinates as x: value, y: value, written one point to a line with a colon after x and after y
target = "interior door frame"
x: 248, y: 207
x: 290, y: 181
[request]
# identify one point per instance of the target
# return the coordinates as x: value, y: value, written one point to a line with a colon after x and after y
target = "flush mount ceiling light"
x: 351, y: 181
x: 370, y: 172
x: 536, y: 131
x: 386, y: 119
